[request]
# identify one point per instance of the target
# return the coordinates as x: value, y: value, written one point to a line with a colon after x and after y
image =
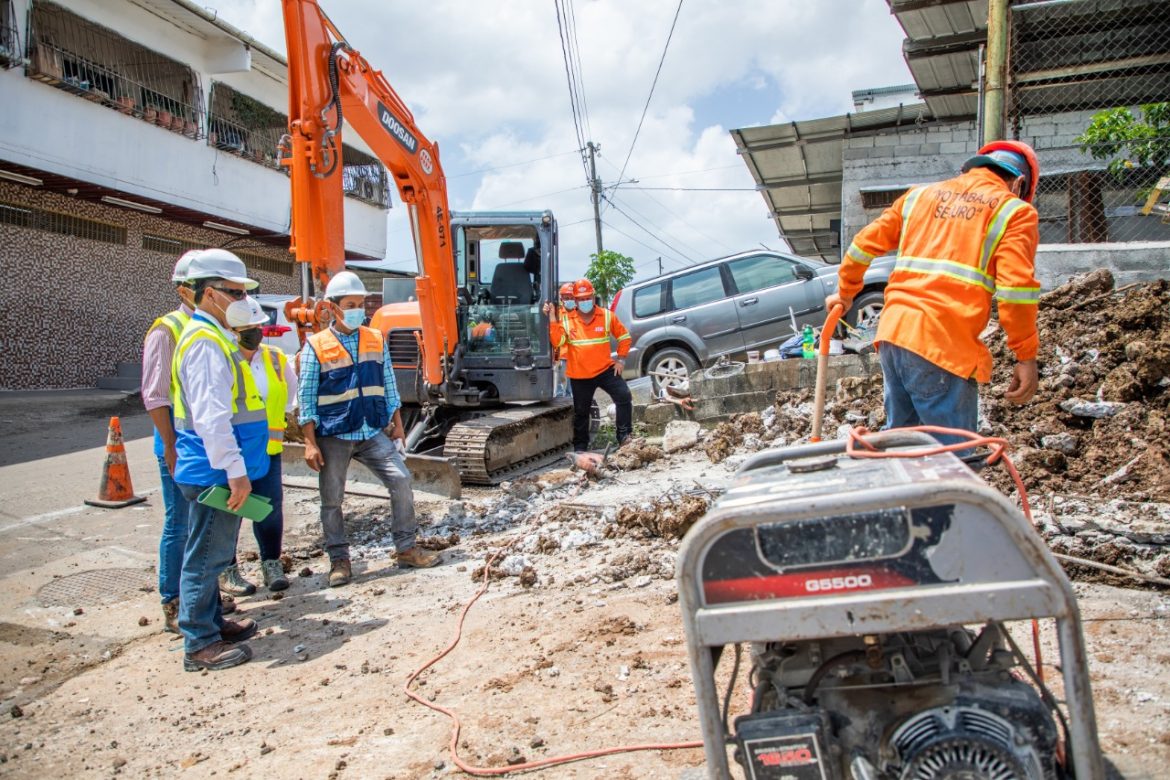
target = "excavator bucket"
x: 435, y: 475
x: 430, y: 474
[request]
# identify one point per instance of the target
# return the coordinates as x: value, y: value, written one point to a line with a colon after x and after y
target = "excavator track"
x: 490, y: 448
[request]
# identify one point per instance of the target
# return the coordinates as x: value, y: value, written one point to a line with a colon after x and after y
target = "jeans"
x: 270, y: 531
x: 211, y: 543
x: 917, y: 392
x: 583, y: 390
x: 174, y: 535
x: 380, y: 456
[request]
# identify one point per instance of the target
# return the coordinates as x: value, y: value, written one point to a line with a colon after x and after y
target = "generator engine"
x: 877, y: 598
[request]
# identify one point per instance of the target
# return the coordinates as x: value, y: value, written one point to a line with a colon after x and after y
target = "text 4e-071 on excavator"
x: 475, y: 339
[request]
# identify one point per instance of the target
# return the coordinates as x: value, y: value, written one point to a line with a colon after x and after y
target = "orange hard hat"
x: 1014, y: 157
x: 567, y: 290
x: 583, y: 289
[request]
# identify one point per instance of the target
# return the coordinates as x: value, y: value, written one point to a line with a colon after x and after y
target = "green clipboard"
x: 255, y: 507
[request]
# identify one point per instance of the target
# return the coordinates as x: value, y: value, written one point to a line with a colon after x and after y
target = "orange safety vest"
x: 586, y: 347
x: 959, y: 243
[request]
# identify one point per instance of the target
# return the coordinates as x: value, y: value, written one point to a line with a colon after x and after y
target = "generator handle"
x: 884, y: 440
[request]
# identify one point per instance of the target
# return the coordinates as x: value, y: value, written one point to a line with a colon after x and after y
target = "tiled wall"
x: 71, y: 308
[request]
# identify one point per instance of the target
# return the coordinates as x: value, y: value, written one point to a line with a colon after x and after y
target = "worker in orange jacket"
x: 960, y: 243
x: 583, y: 338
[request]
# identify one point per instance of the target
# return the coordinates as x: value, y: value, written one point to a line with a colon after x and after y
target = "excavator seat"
x: 512, y: 284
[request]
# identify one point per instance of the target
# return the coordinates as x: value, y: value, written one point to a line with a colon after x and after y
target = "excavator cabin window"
x: 499, y: 273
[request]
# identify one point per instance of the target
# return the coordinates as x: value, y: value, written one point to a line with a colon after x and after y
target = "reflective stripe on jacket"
x: 249, y: 418
x: 276, y: 371
x: 959, y: 243
x: 350, y: 393
x: 586, y: 346
x: 174, y: 322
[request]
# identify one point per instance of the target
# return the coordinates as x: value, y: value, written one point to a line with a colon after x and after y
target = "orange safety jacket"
x: 959, y: 243
x: 586, y: 346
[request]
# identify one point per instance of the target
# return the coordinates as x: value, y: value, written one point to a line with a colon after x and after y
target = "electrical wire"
x: 648, y: 232
x: 513, y: 165
x: 693, y: 189
x: 575, y: 50
x: 573, y: 100
x: 619, y: 231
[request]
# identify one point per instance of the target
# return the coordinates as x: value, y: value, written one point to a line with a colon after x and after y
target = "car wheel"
x: 866, y: 310
x: 670, y: 367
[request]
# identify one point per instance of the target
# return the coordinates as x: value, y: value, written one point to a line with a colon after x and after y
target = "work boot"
x: 340, y: 572
x: 234, y: 631
x: 227, y: 605
x: 417, y: 558
x: 171, y: 616
x: 274, y: 578
x: 216, y: 656
x: 233, y: 583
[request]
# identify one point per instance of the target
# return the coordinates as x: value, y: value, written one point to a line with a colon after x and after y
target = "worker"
x: 584, y: 337
x: 276, y: 381
x: 157, y: 353
x: 960, y: 243
x: 347, y: 397
x: 568, y: 304
x: 221, y: 440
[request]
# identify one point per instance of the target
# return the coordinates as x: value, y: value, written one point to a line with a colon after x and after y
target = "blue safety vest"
x: 351, y: 393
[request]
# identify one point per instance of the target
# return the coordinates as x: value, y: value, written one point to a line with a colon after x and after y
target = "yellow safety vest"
x: 276, y: 370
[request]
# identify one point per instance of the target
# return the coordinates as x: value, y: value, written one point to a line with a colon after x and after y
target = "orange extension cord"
x: 856, y: 447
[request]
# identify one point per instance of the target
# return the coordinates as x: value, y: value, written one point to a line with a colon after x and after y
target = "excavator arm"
x: 329, y: 80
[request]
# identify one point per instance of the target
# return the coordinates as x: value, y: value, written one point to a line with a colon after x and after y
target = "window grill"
x: 177, y: 246
x: 244, y: 126
x: 57, y: 222
x: 78, y: 56
x: 364, y: 178
x: 272, y: 265
x: 169, y: 246
x: 880, y: 199
x: 10, y: 49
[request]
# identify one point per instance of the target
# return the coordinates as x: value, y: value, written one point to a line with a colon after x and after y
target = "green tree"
x: 1129, y: 141
x: 609, y: 271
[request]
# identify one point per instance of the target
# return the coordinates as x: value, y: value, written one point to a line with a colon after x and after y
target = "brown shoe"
x: 340, y: 572
x: 417, y: 558
x: 171, y: 616
x: 216, y: 656
x: 238, y: 630
x: 227, y: 605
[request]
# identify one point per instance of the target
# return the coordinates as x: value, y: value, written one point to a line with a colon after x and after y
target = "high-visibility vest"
x: 961, y: 244
x: 586, y: 346
x: 276, y: 371
x: 249, y: 417
x: 174, y: 322
x: 351, y: 393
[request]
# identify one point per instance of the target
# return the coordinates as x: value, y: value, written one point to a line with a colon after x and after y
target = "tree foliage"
x: 609, y: 272
x: 1129, y: 141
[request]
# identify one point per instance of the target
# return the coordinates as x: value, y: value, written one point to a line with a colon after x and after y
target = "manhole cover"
x: 95, y: 588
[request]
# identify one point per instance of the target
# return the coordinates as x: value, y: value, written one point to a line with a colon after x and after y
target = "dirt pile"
x: 635, y: 454
x: 747, y: 430
x: 668, y: 517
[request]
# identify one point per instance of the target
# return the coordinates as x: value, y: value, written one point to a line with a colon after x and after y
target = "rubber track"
x: 467, y: 444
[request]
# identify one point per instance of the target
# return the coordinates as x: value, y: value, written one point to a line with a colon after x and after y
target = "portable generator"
x: 874, y: 593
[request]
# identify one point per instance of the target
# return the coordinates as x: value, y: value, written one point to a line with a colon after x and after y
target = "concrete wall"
x: 71, y: 307
x: 1129, y: 262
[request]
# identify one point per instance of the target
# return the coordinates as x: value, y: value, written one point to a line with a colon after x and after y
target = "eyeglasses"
x: 238, y: 295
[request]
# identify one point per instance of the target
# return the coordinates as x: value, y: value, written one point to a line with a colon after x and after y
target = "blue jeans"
x: 270, y: 531
x: 917, y: 392
x: 211, y: 543
x: 174, y: 535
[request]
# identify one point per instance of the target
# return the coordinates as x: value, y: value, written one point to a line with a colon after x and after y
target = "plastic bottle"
x: 808, y: 347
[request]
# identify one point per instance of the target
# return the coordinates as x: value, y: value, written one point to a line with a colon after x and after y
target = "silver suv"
x: 687, y: 319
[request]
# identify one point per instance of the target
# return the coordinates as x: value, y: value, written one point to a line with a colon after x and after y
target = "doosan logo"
x: 396, y: 129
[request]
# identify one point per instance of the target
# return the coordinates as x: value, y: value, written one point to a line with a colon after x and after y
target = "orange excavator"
x: 471, y: 354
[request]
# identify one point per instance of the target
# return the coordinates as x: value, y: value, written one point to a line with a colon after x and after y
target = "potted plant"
x: 150, y: 113
x: 164, y: 117
x: 126, y: 104
x: 177, y: 123
x: 190, y: 129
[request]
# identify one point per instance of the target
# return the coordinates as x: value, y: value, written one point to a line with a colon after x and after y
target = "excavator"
x: 471, y: 353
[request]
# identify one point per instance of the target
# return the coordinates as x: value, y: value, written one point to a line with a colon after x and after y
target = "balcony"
x: 10, y: 49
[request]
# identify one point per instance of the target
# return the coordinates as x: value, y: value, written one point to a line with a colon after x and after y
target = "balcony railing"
x: 10, y: 49
x: 364, y: 178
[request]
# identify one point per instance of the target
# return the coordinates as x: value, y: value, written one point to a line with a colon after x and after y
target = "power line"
x: 512, y: 165
x: 644, y: 244
x: 535, y: 197
x: 687, y: 173
x: 653, y: 84
x: 649, y: 232
x: 570, y: 78
x: 645, y: 218
x: 694, y: 189
x: 576, y: 47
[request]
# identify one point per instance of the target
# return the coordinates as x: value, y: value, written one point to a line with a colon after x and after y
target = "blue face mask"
x: 585, y: 306
x: 354, y: 317
x: 569, y: 305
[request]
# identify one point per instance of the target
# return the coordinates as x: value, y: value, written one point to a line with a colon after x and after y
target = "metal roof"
x: 942, y: 51
x: 797, y: 167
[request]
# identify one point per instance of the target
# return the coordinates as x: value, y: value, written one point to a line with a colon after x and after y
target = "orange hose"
x: 456, y: 726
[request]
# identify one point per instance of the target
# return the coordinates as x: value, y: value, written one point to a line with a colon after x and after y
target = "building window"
x: 880, y: 199
x: 272, y: 265
x: 56, y: 222
x: 168, y: 246
x: 244, y: 126
x: 364, y: 178
x: 78, y: 56
x: 9, y: 36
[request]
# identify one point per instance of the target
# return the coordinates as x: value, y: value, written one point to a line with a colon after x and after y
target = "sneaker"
x: 171, y: 616
x: 417, y: 558
x: 234, y: 631
x: 233, y: 583
x: 340, y: 572
x: 216, y: 656
x: 274, y: 578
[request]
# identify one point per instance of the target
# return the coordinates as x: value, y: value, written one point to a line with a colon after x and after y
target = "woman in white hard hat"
x: 276, y: 381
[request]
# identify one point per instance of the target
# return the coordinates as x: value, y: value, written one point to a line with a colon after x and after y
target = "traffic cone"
x: 116, y: 490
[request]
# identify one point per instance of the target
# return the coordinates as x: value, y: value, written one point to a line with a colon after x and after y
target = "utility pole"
x: 660, y: 266
x: 996, y: 75
x: 595, y: 187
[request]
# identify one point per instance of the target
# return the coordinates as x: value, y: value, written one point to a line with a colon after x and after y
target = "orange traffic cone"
x: 116, y: 490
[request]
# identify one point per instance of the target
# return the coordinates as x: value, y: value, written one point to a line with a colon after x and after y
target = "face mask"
x: 250, y: 338
x: 353, y: 317
x: 585, y: 306
x: 569, y: 305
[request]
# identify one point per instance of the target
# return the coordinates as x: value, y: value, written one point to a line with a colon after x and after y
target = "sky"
x: 487, y: 82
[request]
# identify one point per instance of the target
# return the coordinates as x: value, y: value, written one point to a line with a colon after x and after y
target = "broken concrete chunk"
x: 1095, y: 409
x: 1061, y: 442
x: 680, y: 435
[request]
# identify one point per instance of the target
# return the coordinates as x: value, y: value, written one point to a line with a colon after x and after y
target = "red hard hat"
x: 1010, y: 162
x: 567, y: 290
x: 583, y: 289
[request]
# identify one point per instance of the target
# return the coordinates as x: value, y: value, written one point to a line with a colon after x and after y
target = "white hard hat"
x: 219, y: 264
x: 179, y: 275
x: 245, y: 313
x: 345, y: 283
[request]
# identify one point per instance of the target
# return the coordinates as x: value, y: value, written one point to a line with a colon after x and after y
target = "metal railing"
x: 11, y: 53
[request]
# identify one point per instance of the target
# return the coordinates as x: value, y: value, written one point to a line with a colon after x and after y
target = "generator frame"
x: 1046, y: 594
